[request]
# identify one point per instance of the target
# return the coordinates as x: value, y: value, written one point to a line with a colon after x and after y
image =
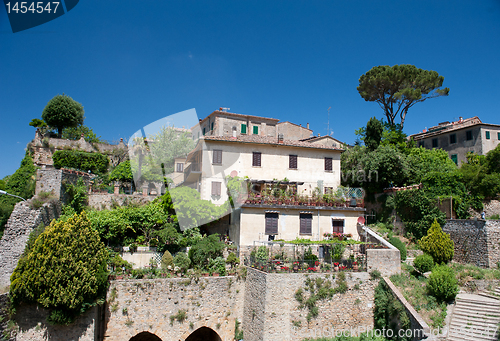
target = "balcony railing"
x: 192, y: 172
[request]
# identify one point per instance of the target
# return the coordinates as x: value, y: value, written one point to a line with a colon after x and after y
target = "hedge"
x: 95, y: 162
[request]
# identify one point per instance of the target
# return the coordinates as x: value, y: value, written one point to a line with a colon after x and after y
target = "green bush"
x: 167, y: 260
x: 232, y: 259
x: 442, y: 283
x: 122, y: 172
x: 182, y: 261
x: 423, y: 263
x: 437, y: 244
x: 400, y: 246
x: 95, y: 162
x: 65, y: 271
x: 217, y: 265
x: 207, y: 248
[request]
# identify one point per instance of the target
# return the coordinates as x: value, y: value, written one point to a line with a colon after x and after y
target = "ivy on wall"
x: 95, y: 162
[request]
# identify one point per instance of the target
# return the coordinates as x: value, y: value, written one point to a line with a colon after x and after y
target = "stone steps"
x: 475, y: 318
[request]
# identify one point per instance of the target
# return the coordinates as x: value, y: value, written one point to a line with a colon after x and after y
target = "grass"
x: 413, y: 288
x: 465, y: 273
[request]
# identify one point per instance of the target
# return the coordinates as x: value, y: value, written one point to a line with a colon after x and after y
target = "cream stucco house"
x: 259, y: 149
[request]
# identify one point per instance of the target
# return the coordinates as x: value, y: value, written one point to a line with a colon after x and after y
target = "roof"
x: 317, y: 138
x: 297, y: 125
x: 219, y: 112
x: 447, y: 127
x: 256, y: 139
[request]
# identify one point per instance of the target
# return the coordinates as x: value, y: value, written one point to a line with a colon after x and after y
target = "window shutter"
x: 487, y: 135
x: 216, y: 188
x: 256, y: 159
x: 271, y: 223
x: 328, y: 164
x: 306, y: 224
x: 255, y: 130
x: 217, y: 157
x: 338, y: 226
x: 243, y: 128
x: 292, y: 162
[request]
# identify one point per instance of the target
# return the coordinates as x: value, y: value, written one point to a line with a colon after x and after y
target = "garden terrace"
x: 337, y: 253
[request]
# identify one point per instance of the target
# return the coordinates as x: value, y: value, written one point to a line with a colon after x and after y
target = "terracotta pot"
x: 206, y: 274
x: 215, y: 274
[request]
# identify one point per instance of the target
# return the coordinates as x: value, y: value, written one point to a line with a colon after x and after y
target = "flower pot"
x: 215, y: 274
x: 119, y: 277
x: 205, y: 274
x: 336, y: 268
x: 355, y: 267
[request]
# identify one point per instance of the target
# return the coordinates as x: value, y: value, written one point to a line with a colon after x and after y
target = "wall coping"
x: 379, y: 238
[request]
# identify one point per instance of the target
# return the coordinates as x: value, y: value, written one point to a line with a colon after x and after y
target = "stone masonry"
x: 271, y: 311
x: 20, y: 224
x: 476, y: 241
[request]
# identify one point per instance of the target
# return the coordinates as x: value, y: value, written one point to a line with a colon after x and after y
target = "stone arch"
x: 145, y: 336
x: 204, y: 334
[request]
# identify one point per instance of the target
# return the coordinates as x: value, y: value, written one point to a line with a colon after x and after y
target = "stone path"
x: 476, y: 317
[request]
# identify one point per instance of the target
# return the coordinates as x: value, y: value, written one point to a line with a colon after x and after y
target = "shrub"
x: 232, y: 259
x: 217, y: 265
x: 207, y: 248
x: 437, y: 244
x: 442, y: 283
x: 65, y: 271
x: 399, y: 245
x: 167, y: 260
x: 423, y: 263
x: 95, y: 162
x: 182, y: 260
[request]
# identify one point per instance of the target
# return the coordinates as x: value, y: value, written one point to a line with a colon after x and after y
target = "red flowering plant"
x: 316, y: 263
x: 335, y: 264
x: 311, y: 269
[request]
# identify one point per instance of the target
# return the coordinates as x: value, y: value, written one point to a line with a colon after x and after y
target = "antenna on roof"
x: 328, y: 132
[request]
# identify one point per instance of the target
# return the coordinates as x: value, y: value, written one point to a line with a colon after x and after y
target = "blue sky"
x: 133, y: 62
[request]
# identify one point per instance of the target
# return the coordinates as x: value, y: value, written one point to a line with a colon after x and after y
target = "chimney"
x: 307, y: 125
x: 199, y: 120
x: 280, y: 138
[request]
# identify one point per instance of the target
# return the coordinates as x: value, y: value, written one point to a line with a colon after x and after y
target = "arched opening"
x: 204, y: 334
x: 145, y: 336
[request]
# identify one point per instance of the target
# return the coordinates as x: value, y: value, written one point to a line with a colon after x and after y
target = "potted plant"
x: 336, y: 267
x: 355, y: 266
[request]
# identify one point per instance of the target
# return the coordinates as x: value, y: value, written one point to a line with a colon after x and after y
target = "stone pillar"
x: 158, y: 186
x: 145, y: 187
x: 117, y: 187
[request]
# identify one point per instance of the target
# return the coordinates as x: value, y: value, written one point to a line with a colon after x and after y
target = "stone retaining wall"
x: 271, y: 310
x: 108, y: 201
x: 20, y: 224
x: 387, y: 261
x: 476, y: 241
x: 53, y: 180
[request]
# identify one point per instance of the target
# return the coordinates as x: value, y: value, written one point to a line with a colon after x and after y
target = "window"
x: 453, y: 138
x: 328, y: 190
x: 256, y: 159
x: 338, y: 226
x: 487, y: 135
x: 498, y: 135
x: 212, y: 126
x: 216, y: 186
x: 306, y: 223
x: 468, y: 135
x: 217, y: 159
x: 179, y: 167
x: 434, y: 143
x: 271, y: 223
x: 421, y: 144
x: 328, y: 164
x: 255, y: 130
x: 204, y: 131
x: 454, y: 158
x: 292, y: 162
x: 243, y: 128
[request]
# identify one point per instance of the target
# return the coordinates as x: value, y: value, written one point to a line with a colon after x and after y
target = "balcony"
x: 192, y: 173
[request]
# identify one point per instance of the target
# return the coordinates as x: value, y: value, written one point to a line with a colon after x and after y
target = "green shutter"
x: 454, y: 158
x: 243, y: 128
x: 498, y: 135
x: 487, y: 135
x: 255, y: 130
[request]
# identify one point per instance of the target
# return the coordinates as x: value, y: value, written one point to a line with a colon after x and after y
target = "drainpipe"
x: 319, y: 238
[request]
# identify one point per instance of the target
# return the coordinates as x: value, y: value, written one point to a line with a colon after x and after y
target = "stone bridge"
x: 181, y: 309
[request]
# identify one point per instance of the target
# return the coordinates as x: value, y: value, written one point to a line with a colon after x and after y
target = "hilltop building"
x: 460, y: 137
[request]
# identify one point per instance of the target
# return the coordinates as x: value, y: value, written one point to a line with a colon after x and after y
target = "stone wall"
x: 106, y: 201
x: 33, y: 326
x: 271, y: 311
x: 387, y: 261
x: 135, y: 306
x: 476, y: 241
x: 20, y: 224
x: 53, y: 180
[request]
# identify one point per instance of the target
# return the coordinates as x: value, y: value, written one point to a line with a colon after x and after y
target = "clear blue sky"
x: 132, y: 62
